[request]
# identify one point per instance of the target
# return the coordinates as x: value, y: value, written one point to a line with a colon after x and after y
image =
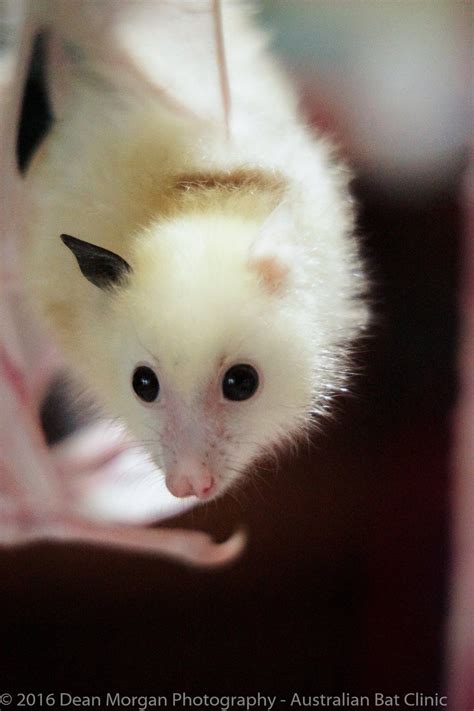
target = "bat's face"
x: 202, y: 357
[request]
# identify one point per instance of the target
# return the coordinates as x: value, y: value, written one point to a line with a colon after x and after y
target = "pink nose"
x: 202, y: 486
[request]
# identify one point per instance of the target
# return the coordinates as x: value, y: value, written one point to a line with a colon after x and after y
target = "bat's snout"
x: 189, y: 479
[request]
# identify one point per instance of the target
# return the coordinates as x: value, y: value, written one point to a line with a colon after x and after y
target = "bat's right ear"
x: 101, y: 267
x: 272, y: 255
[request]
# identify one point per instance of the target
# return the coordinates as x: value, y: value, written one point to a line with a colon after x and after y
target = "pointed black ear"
x: 101, y: 267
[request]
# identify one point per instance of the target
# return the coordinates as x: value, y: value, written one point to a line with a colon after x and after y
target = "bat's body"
x: 213, y: 249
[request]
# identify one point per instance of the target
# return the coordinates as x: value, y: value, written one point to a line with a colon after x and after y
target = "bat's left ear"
x: 101, y: 267
x: 272, y: 254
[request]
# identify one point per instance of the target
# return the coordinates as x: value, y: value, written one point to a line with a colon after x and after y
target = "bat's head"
x: 203, y: 344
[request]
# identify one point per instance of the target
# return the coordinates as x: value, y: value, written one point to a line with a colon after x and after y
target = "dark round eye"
x: 240, y: 382
x: 145, y: 383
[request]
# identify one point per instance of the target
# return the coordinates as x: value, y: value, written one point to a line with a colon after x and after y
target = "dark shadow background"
x: 344, y: 585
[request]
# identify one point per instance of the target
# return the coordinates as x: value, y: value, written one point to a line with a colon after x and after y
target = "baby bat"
x: 203, y: 281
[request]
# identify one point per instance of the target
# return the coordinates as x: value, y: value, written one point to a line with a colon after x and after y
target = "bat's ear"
x: 101, y: 267
x: 271, y: 254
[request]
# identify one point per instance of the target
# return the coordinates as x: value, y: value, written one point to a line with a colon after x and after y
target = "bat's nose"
x: 200, y: 484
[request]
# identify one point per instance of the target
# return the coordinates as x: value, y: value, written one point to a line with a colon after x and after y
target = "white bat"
x: 189, y: 240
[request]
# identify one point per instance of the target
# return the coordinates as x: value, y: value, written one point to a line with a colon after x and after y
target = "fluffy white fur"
x: 262, y: 269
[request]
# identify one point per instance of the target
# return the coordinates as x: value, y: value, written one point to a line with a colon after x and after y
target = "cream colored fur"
x: 265, y: 273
